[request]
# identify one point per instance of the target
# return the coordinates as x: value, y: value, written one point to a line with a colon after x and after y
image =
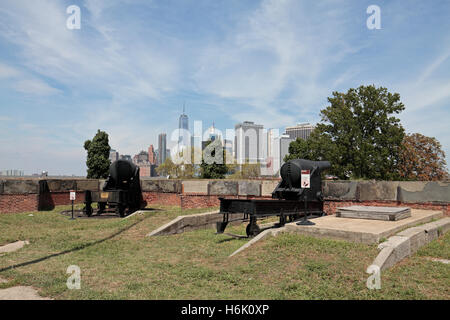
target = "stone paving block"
x: 20, y: 186
x: 340, y: 190
x: 223, y: 187
x: 83, y: 185
x: 267, y: 187
x: 249, y: 188
x: 377, y: 190
x: 61, y: 185
x: 195, y: 186
x: 424, y: 192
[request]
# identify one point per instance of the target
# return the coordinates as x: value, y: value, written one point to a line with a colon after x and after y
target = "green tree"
x: 422, y: 159
x: 97, y: 161
x: 246, y: 170
x: 359, y: 135
x: 213, y: 167
x: 168, y: 168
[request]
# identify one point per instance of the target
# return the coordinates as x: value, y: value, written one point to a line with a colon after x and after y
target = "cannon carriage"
x: 298, y: 195
x: 120, y: 193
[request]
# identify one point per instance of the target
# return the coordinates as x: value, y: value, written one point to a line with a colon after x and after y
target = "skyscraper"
x: 183, y: 126
x: 301, y: 130
x: 250, y: 142
x: 162, y: 148
x: 113, y: 155
x: 151, y: 155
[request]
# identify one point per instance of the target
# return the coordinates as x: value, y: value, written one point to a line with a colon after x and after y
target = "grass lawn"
x: 117, y: 261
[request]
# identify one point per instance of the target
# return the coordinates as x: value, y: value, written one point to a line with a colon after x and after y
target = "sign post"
x: 72, y: 198
x: 305, y: 184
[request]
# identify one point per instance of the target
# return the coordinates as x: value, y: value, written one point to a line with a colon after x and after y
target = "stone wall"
x: 19, y: 195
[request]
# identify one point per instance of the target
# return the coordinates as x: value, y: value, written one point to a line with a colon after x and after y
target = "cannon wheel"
x: 88, y: 209
x: 120, y: 210
x: 101, y: 207
x: 252, y: 228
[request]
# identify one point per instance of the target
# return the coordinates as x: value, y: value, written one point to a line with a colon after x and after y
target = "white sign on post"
x: 72, y: 195
x: 305, y: 179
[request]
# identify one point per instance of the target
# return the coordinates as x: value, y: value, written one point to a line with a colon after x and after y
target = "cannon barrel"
x: 291, y: 171
x: 121, y: 174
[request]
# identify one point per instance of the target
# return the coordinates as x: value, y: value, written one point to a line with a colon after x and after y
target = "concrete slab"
x: 359, y: 230
x: 11, y: 247
x: 20, y: 293
x: 374, y: 212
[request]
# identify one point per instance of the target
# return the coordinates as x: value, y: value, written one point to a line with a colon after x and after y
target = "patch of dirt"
x: 20, y: 293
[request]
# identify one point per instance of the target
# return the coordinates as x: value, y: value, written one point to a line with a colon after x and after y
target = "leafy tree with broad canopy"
x: 422, y: 159
x: 359, y: 134
x: 98, y: 162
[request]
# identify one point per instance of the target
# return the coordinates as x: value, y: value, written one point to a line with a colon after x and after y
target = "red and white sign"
x: 72, y: 195
x: 305, y: 179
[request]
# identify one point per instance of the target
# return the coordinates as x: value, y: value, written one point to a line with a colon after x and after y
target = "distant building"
x: 250, y: 142
x: 301, y: 130
x: 151, y: 155
x: 113, y: 155
x: 141, y: 158
x: 12, y: 173
x: 126, y: 157
x: 183, y: 126
x: 162, y: 148
x: 280, y: 148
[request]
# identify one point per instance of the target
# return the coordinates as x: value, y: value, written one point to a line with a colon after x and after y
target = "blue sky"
x: 132, y: 64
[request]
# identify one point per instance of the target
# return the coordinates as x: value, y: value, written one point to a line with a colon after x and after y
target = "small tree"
x: 246, y: 170
x: 216, y: 169
x: 97, y: 161
x: 422, y: 159
x: 168, y: 168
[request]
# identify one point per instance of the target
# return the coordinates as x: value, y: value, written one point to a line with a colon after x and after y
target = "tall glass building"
x: 183, y: 126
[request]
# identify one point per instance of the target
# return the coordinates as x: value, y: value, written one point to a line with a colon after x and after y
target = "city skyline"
x: 270, y: 62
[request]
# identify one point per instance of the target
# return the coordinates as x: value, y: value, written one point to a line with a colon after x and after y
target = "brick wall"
x: 13, y: 203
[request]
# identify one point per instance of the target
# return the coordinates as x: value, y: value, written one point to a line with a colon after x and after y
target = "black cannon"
x: 121, y: 191
x: 298, y: 194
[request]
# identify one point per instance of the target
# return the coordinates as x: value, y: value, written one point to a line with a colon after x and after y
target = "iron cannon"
x: 121, y: 191
x: 297, y: 195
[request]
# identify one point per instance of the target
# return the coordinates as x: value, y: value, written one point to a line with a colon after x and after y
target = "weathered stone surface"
x: 417, y: 237
x: 223, y: 187
x: 424, y: 192
x: 436, y: 228
x: 340, y: 190
x: 267, y: 187
x: 195, y: 186
x: 377, y: 190
x: 374, y: 212
x: 83, y: 185
x: 20, y: 186
x: 409, y: 241
x: 61, y: 185
x: 249, y: 188
x: 165, y: 186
